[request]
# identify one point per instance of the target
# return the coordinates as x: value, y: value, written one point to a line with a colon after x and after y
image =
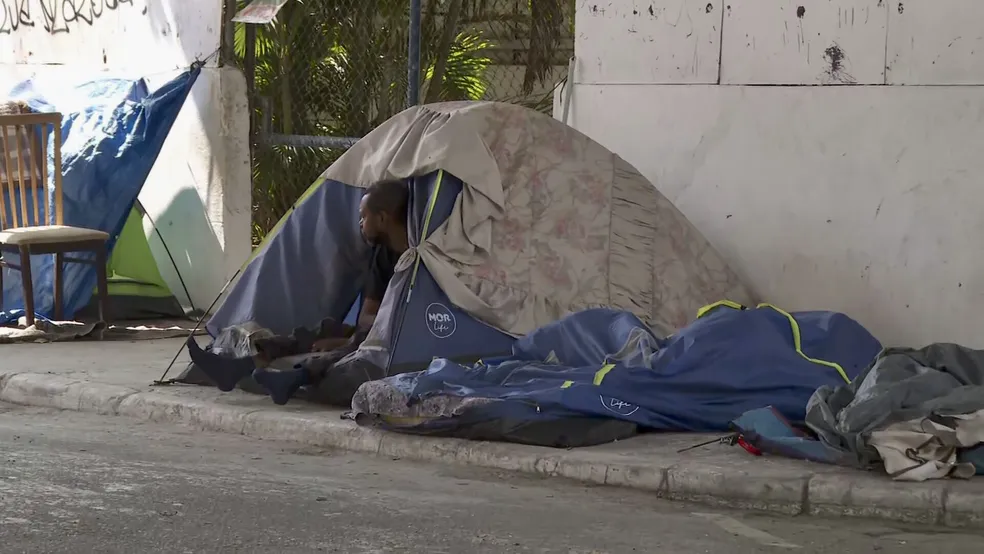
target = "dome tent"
x: 516, y: 220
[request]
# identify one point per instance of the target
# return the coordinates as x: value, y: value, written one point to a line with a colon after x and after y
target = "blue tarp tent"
x: 113, y: 131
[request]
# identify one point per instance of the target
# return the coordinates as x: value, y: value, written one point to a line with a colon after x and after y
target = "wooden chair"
x: 23, y: 192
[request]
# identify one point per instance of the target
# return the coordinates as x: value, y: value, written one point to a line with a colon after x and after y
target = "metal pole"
x: 198, y: 326
x: 413, y: 56
x: 568, y: 90
x: 311, y: 141
x: 249, y: 67
x: 227, y: 52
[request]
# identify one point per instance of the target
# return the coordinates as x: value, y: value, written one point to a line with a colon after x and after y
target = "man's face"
x: 371, y: 224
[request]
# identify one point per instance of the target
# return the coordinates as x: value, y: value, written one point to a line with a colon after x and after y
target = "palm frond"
x: 464, y: 74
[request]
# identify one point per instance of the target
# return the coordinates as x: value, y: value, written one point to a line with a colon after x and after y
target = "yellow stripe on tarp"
x: 425, y: 231
x: 793, y: 324
x: 798, y: 343
x: 730, y: 304
x: 600, y: 374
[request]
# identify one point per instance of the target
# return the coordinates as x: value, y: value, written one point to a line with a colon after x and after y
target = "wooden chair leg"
x: 59, y: 286
x: 28, y: 280
x: 103, y: 285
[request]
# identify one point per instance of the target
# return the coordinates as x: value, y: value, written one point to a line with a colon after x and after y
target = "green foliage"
x: 338, y: 68
x: 464, y: 77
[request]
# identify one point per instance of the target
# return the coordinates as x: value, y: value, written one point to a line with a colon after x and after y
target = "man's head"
x: 383, y: 212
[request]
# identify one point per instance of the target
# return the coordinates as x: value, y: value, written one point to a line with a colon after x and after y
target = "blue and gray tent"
x: 516, y: 220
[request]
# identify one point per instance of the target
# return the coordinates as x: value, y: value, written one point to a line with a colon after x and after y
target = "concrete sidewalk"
x: 114, y: 378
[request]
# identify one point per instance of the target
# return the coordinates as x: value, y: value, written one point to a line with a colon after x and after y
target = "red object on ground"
x: 748, y: 447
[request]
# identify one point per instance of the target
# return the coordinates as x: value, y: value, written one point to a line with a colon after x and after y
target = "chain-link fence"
x: 524, y: 46
x: 325, y: 72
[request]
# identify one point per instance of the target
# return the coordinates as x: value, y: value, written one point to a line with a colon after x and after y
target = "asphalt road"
x: 78, y: 483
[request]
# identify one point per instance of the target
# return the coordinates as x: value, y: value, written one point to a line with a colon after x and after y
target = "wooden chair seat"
x: 24, y: 192
x: 50, y: 234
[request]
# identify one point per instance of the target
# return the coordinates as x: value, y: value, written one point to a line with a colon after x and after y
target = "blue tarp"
x: 113, y: 131
x: 607, y: 363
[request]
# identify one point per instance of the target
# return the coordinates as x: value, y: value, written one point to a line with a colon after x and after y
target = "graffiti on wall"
x: 54, y: 16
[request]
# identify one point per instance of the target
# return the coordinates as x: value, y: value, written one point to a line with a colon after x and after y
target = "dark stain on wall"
x: 836, y: 71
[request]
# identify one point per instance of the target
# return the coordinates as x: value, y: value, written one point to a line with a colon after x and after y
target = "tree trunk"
x: 443, y: 52
x: 287, y: 70
x: 546, y: 29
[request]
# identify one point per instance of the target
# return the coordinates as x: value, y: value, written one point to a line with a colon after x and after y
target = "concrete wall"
x: 199, y: 191
x: 863, y: 197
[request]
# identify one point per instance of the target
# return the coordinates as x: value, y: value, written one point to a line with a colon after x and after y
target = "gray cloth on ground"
x: 339, y: 380
x: 902, y: 384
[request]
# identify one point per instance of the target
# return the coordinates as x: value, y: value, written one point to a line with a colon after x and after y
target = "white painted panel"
x: 936, y: 42
x: 860, y: 199
x: 146, y: 34
x: 804, y: 42
x: 648, y: 41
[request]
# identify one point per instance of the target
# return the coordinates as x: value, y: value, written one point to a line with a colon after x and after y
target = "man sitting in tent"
x: 382, y: 220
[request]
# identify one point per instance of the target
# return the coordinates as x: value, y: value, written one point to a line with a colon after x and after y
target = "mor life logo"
x: 440, y: 321
x: 617, y: 406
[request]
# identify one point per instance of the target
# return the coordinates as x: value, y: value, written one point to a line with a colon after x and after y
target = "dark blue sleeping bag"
x: 607, y: 363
